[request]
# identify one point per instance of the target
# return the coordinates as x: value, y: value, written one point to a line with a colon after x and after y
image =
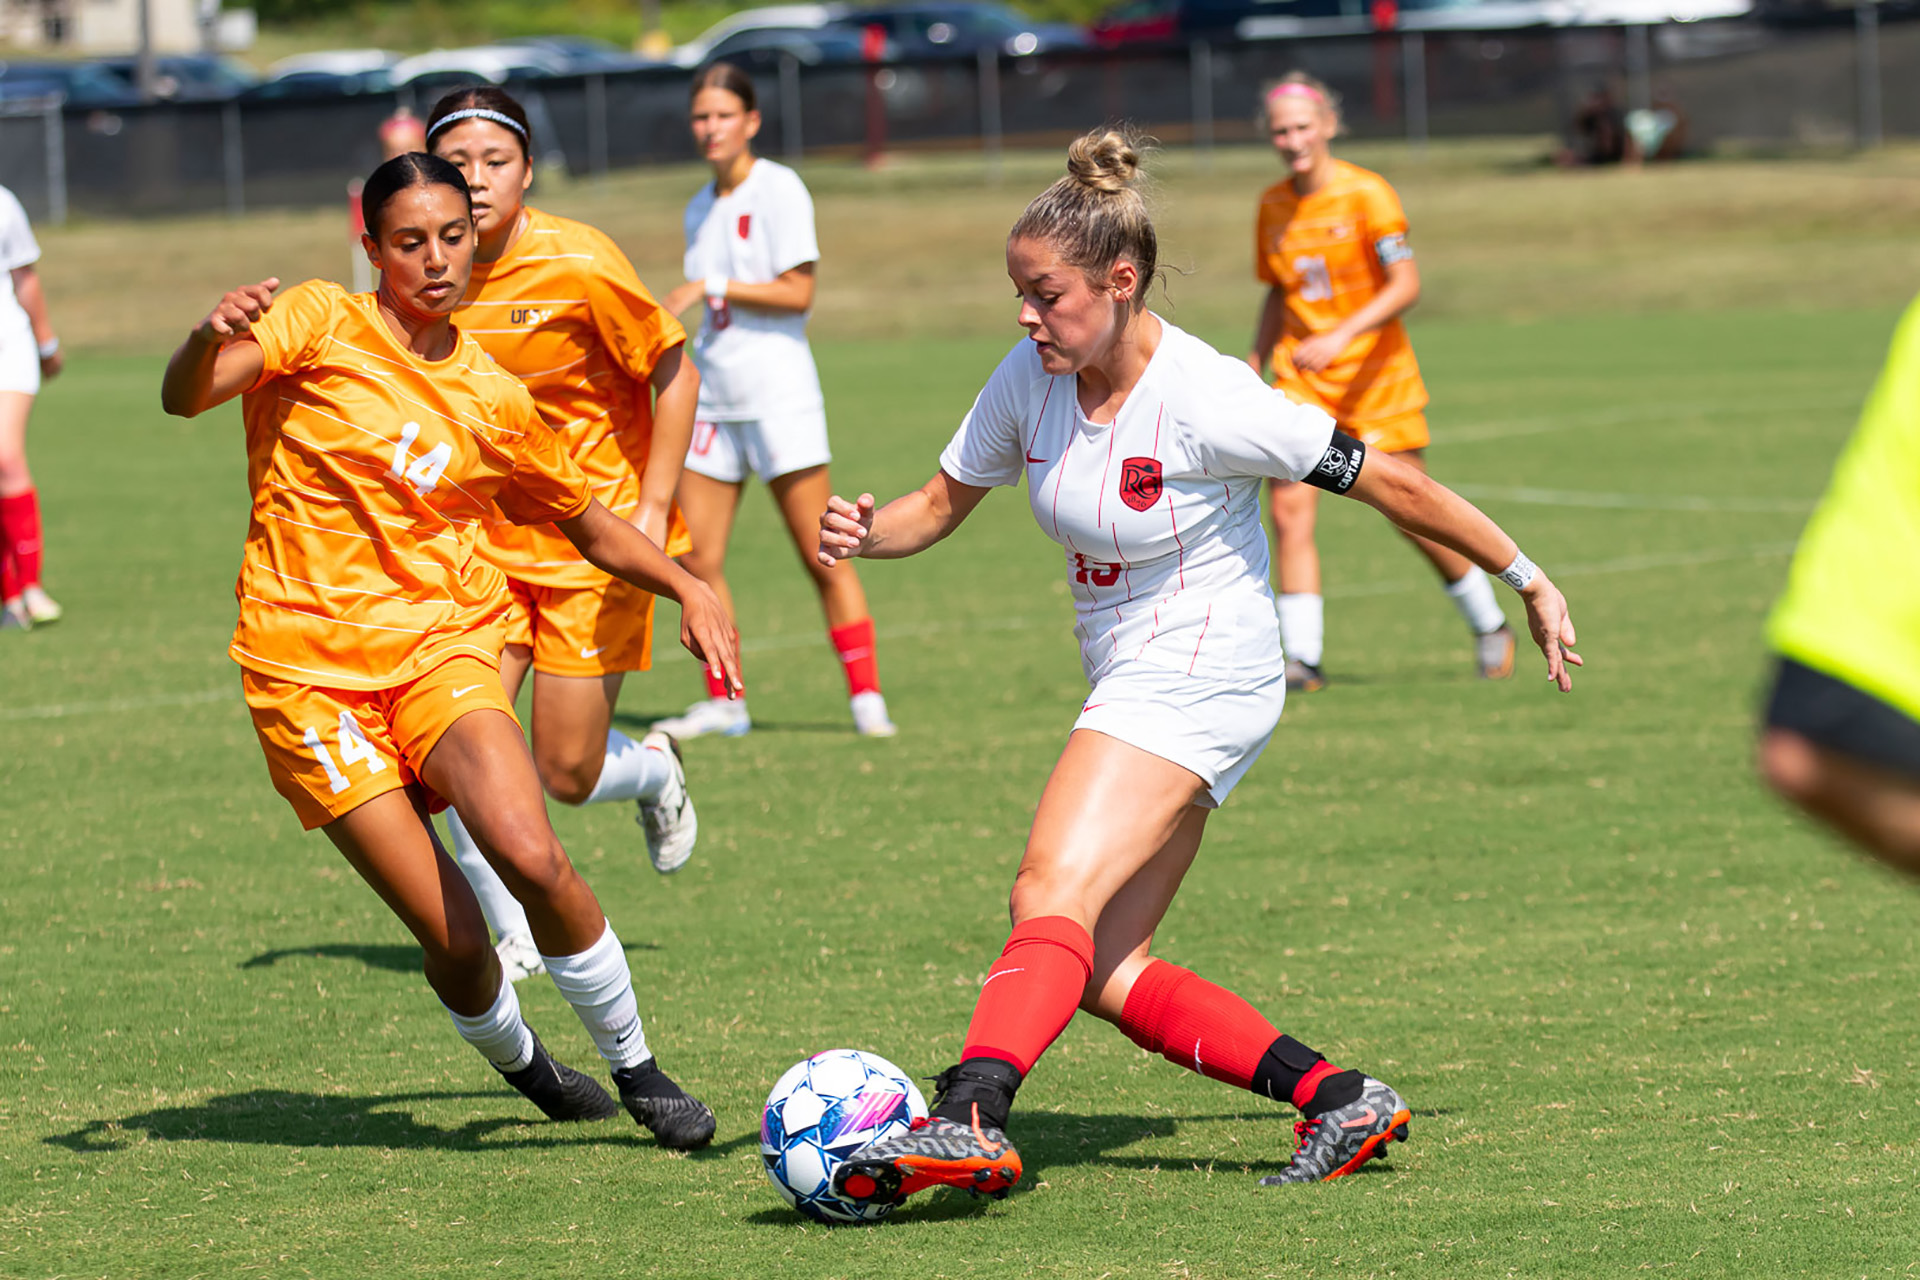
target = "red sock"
x: 854, y: 643
x: 716, y: 686
x: 1194, y: 1024
x: 1031, y: 992
x: 20, y: 525
x: 9, y: 576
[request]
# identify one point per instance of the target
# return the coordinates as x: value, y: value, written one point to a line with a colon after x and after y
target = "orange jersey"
x: 372, y: 470
x: 1323, y: 252
x: 563, y: 311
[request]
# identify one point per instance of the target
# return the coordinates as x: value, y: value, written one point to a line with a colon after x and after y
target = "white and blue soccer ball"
x: 822, y: 1111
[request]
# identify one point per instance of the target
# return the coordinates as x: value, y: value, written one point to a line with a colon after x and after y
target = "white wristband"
x: 716, y: 286
x: 50, y: 348
x: 1522, y: 571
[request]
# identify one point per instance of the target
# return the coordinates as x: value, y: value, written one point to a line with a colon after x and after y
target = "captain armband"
x: 1392, y: 249
x: 1339, y: 466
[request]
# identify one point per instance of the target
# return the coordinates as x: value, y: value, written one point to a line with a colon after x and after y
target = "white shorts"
x: 768, y: 447
x: 20, y: 363
x: 1209, y: 727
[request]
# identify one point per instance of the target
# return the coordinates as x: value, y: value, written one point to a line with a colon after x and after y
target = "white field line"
x: 1631, y: 501
x: 809, y: 640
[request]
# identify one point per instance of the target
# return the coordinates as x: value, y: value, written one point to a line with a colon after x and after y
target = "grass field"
x: 1647, y: 1022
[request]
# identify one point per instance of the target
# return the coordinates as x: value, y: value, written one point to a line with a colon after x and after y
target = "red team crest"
x: 1140, y: 482
x: 746, y: 221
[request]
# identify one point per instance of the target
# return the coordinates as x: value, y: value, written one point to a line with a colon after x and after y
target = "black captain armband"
x: 1339, y: 466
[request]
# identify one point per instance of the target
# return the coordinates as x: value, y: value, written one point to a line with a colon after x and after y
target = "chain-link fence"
x: 1730, y: 82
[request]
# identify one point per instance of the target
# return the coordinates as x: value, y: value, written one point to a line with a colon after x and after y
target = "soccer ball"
x: 822, y: 1111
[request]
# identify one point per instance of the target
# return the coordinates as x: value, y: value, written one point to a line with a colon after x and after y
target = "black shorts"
x: 1836, y: 715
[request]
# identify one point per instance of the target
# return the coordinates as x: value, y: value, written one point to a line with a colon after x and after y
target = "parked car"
x: 788, y: 18
x: 488, y: 63
x: 192, y: 77
x: 78, y: 84
x: 582, y: 54
x: 933, y: 29
x: 340, y: 62
x: 308, y: 86
x: 758, y: 50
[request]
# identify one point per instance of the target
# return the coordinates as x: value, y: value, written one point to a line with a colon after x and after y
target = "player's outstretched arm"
x: 903, y: 527
x: 212, y: 366
x: 616, y: 547
x: 1419, y: 504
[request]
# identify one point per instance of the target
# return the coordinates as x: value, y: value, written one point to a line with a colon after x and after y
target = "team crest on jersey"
x: 746, y: 221
x: 1140, y: 482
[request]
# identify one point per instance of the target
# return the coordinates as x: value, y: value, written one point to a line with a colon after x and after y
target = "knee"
x: 1043, y: 891
x: 570, y: 777
x: 531, y: 862
x: 14, y: 476
x: 1789, y: 764
x: 703, y: 562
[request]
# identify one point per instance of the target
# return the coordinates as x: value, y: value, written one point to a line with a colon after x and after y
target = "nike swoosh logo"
x: 1359, y: 1121
x: 1033, y: 461
x: 461, y: 693
x: 593, y: 653
x: 625, y: 1036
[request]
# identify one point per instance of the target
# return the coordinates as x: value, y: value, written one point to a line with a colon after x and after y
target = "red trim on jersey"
x: 1100, y: 505
x: 1027, y: 451
x: 1059, y: 478
x: 1204, y: 624
x: 1174, y: 519
x: 1125, y: 568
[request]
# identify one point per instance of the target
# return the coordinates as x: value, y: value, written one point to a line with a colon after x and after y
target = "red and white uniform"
x: 1158, y: 513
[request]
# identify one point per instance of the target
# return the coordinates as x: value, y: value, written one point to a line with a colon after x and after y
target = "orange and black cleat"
x: 1337, y: 1142
x: 934, y: 1153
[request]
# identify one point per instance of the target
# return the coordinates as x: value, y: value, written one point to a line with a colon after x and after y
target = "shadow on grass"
x: 394, y: 958
x: 282, y: 1117
x: 836, y: 728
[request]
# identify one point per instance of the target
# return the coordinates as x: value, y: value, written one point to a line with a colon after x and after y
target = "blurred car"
x: 759, y: 50
x: 790, y: 19
x: 340, y: 62
x: 307, y: 86
x: 933, y: 29
x: 487, y: 63
x: 191, y: 77
x: 78, y: 84
x: 583, y: 55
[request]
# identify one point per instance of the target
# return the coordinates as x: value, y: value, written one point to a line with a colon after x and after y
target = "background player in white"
x: 750, y: 254
x: 1144, y: 451
x: 29, y: 352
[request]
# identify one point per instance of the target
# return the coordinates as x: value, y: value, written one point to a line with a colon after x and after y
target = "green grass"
x: 1644, y: 1018
x: 1648, y: 1022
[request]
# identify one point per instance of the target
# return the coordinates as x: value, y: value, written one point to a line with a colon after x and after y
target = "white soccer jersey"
x: 753, y: 363
x: 1158, y: 511
x: 18, y: 248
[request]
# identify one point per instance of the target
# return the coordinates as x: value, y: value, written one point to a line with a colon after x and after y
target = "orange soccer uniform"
x: 367, y: 623
x: 563, y: 311
x: 1324, y: 252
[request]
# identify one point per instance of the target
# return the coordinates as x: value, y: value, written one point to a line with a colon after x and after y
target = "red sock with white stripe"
x: 1205, y: 1028
x: 854, y: 644
x: 1031, y: 992
x: 716, y: 685
x: 20, y: 528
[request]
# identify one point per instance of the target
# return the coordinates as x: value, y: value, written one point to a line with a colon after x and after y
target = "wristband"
x: 716, y: 286
x: 50, y: 348
x: 1522, y: 571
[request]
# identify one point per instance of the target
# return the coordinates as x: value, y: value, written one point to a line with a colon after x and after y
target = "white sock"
x: 1303, y: 626
x: 500, y: 1033
x: 1473, y: 596
x: 631, y: 771
x: 599, y: 986
x: 502, y: 910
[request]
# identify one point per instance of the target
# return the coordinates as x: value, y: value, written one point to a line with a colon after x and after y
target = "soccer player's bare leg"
x: 1471, y: 592
x: 802, y: 495
x: 709, y: 506
x: 1296, y: 559
x: 1876, y: 808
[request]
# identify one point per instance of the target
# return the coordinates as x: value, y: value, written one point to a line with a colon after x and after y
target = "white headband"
x: 479, y: 113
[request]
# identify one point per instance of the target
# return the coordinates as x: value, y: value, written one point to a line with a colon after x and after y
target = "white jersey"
x: 17, y: 249
x: 753, y: 363
x: 1158, y: 511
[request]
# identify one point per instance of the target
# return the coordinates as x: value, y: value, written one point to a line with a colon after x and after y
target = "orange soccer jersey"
x: 372, y: 470
x: 564, y: 312
x: 1323, y: 252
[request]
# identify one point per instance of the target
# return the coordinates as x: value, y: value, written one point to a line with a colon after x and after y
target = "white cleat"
x: 668, y: 818
x: 14, y: 616
x: 870, y: 718
x: 40, y: 606
x: 519, y: 957
x: 727, y: 718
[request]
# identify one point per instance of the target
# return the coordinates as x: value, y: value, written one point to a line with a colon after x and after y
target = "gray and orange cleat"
x: 1335, y: 1143
x: 934, y: 1153
x: 1493, y: 653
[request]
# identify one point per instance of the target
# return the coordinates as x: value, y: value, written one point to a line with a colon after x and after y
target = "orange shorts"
x: 1392, y: 435
x: 332, y: 750
x: 589, y: 631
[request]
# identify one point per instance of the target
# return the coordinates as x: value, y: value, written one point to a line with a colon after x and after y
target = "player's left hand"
x: 50, y: 366
x: 1552, y: 629
x: 845, y: 528
x: 1319, y: 351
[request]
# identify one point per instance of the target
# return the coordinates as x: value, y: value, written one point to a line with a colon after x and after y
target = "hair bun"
x: 1105, y: 160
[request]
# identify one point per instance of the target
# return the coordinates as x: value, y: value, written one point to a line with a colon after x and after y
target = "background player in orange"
x: 379, y: 439
x: 1331, y: 243
x: 558, y: 305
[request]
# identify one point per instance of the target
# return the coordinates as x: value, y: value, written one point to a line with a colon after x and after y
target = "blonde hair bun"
x: 1105, y: 160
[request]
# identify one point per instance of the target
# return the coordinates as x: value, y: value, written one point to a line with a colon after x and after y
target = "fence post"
x: 991, y: 140
x: 597, y: 124
x: 1639, y: 68
x: 1202, y: 63
x: 790, y: 135
x: 1413, y: 61
x: 1866, y: 25
x: 234, y: 158
x: 56, y: 126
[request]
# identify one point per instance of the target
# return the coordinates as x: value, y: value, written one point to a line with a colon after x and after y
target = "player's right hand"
x: 710, y: 635
x: 237, y: 312
x: 1551, y: 626
x: 845, y: 528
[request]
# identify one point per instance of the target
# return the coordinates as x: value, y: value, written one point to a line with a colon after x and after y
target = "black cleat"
x: 558, y: 1090
x: 675, y: 1117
